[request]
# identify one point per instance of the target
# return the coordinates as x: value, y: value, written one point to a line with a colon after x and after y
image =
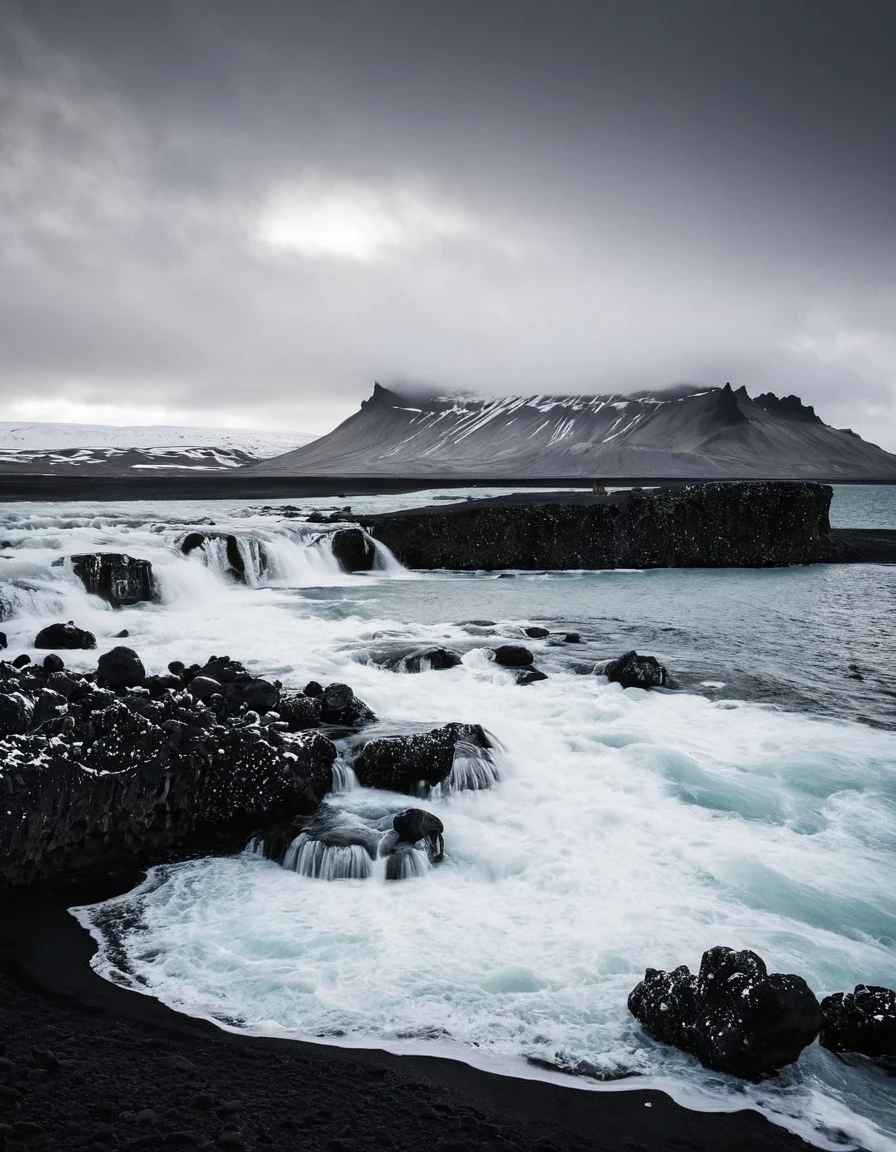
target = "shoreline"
x: 47, y: 982
x: 16, y: 487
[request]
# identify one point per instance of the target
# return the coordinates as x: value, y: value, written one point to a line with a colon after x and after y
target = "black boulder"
x: 860, y: 1021
x: 733, y: 1015
x: 353, y: 550
x: 634, y: 671
x: 513, y: 656
x: 120, y: 668
x: 116, y: 578
x: 65, y: 636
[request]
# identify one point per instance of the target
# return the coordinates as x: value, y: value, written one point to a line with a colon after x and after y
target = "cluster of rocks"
x: 116, y: 765
x: 737, y: 1017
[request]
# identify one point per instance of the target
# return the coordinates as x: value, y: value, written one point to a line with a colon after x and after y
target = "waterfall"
x: 323, y: 861
x: 473, y: 769
x: 344, y: 778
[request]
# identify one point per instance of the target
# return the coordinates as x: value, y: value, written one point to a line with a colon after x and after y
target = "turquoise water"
x: 754, y: 804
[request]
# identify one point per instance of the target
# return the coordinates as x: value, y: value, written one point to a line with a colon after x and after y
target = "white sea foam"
x: 626, y: 829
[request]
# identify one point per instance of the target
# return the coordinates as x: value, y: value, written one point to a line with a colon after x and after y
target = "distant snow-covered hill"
x: 93, y: 449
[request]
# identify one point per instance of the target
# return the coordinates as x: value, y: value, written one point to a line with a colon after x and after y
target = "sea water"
x: 753, y: 804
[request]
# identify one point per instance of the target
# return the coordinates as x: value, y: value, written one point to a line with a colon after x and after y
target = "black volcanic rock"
x: 120, y: 668
x: 634, y: 671
x: 90, y: 775
x: 117, y: 578
x: 64, y: 636
x: 400, y: 763
x: 429, y: 660
x: 756, y: 524
x: 860, y: 1021
x: 513, y: 656
x: 690, y: 433
x: 734, y: 1016
x: 353, y: 550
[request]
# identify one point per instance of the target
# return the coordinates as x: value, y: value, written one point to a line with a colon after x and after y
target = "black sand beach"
x: 88, y: 1066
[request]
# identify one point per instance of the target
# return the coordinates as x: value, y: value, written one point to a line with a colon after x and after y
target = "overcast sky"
x: 244, y: 213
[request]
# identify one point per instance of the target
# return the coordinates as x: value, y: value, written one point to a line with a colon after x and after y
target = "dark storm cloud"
x: 254, y: 210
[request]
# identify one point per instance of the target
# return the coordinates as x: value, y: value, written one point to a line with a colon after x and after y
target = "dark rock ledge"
x: 754, y: 524
x: 117, y: 768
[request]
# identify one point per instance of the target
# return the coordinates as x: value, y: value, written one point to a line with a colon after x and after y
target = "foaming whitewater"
x: 753, y: 806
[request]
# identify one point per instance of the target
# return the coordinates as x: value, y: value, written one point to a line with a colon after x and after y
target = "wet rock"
x: 529, y: 676
x: 203, y: 687
x: 863, y: 1021
x: 733, y: 1015
x: 339, y: 705
x: 536, y: 633
x: 120, y: 668
x: 634, y: 671
x: 116, y: 578
x: 312, y: 688
x: 4, y: 643
x: 513, y: 656
x: 572, y: 638
x: 53, y: 663
x: 22, y: 661
x: 429, y: 660
x: 415, y: 824
x: 353, y: 550
x: 261, y: 696
x: 16, y: 713
x: 65, y: 636
x: 122, y: 635
x: 300, y: 712
x: 401, y: 763
x: 108, y: 778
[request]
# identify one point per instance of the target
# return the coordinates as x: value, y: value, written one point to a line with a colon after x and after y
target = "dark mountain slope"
x: 717, y: 433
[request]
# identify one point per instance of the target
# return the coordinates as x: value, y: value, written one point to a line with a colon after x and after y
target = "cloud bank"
x: 244, y: 214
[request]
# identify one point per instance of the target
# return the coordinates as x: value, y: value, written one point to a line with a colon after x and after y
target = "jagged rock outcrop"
x: 66, y: 636
x: 634, y: 671
x: 863, y: 1021
x: 89, y: 774
x: 753, y: 525
x: 734, y: 1015
x: 402, y: 763
x: 117, y: 578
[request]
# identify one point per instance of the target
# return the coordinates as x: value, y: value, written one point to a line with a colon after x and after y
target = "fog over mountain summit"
x: 683, y: 432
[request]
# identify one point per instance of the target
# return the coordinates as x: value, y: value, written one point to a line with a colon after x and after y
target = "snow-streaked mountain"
x: 90, y: 449
x: 686, y: 432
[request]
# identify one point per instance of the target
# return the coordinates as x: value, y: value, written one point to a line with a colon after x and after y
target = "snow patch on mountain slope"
x: 45, y: 437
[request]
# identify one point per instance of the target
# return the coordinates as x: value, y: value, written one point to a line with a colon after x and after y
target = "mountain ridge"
x: 712, y: 433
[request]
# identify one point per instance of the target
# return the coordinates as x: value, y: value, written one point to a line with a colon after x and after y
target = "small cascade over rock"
x: 244, y: 559
x: 337, y: 844
x: 323, y: 861
x: 460, y: 754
